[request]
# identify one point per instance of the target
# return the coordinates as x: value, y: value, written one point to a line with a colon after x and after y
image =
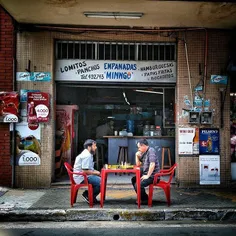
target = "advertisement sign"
x: 116, y: 71
x: 209, y: 166
x: 9, y: 107
x: 186, y: 136
x: 28, y: 148
x: 37, y: 107
x: 209, y: 141
x: 219, y: 79
x: 33, y: 76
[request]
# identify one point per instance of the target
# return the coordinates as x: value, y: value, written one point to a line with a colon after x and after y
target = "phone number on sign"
x: 92, y: 76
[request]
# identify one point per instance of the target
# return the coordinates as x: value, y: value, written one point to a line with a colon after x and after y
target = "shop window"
x: 145, y: 106
x: 115, y: 51
x: 169, y: 107
x: 101, y: 55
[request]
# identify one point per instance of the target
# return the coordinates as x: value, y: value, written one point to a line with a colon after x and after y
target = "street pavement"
x: 53, y: 204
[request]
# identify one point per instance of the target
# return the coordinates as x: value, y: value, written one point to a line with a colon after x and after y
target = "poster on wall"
x: 9, y: 107
x: 186, y: 136
x: 37, y: 107
x: 28, y: 148
x: 209, y: 166
x: 209, y: 141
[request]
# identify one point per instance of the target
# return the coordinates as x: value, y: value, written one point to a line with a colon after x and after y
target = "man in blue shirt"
x: 84, y: 163
x: 146, y: 156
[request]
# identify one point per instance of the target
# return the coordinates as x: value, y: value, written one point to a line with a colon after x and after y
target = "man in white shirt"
x: 84, y: 163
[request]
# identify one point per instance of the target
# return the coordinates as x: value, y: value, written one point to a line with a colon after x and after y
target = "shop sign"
x: 116, y: 71
x: 209, y: 141
x: 209, y: 166
x: 9, y: 107
x: 33, y: 76
x: 186, y: 136
x: 38, y: 107
x: 218, y: 79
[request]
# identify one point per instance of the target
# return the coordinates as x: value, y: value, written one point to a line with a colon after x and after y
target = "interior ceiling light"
x: 147, y: 91
x: 116, y: 15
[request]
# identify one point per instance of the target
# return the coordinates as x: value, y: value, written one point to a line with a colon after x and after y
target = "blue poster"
x: 209, y: 141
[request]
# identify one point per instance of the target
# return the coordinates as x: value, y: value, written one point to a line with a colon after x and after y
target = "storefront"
x: 143, y: 85
x: 138, y: 95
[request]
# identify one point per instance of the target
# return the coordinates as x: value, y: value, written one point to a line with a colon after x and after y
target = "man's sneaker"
x: 85, y: 197
x: 143, y: 202
x: 95, y: 201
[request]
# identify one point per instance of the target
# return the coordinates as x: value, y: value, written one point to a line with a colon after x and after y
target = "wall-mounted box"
x: 194, y: 117
x: 206, y: 117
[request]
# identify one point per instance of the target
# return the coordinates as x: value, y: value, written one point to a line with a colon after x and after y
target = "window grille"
x: 86, y: 50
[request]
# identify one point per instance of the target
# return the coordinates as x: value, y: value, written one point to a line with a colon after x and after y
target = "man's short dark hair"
x: 89, y: 143
x: 143, y: 142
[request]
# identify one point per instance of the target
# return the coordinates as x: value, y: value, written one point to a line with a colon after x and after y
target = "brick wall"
x: 6, y: 84
x: 218, y: 54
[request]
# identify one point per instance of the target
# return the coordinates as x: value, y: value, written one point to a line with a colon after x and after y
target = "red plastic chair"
x: 75, y: 187
x: 162, y: 184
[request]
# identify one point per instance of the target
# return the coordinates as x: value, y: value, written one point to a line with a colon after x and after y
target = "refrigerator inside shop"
x: 66, y: 136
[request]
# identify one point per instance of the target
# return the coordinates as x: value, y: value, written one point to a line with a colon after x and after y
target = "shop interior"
x: 144, y: 106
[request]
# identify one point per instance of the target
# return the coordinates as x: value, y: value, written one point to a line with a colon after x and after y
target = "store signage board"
x: 116, y: 71
x: 209, y: 166
x: 33, y: 76
x: 186, y: 136
x: 209, y: 141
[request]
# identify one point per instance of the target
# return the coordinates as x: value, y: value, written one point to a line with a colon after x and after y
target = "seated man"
x: 150, y: 166
x: 84, y: 163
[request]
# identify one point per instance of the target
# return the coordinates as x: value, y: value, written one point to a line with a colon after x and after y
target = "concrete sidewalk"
x: 54, y: 205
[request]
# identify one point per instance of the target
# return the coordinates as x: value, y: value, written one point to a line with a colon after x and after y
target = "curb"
x: 223, y: 215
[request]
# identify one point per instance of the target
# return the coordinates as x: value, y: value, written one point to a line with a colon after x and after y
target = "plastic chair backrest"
x: 70, y: 172
x: 172, y: 171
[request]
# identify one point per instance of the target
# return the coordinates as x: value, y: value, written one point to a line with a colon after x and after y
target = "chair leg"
x: 162, y: 157
x: 169, y: 157
x: 75, y: 196
x: 72, y: 193
x: 150, y: 195
x: 167, y: 193
x: 90, y: 195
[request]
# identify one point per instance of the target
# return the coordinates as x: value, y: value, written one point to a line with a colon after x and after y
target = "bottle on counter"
x: 146, y: 130
x: 157, y: 131
x: 152, y: 130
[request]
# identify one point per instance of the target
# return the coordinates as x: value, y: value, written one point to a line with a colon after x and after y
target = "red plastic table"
x: 105, y: 172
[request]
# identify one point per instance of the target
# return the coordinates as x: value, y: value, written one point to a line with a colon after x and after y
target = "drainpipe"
x: 13, y: 137
x: 205, y: 61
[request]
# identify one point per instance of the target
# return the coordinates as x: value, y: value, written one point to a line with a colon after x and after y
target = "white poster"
x: 209, y: 166
x: 116, y: 71
x: 186, y: 136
